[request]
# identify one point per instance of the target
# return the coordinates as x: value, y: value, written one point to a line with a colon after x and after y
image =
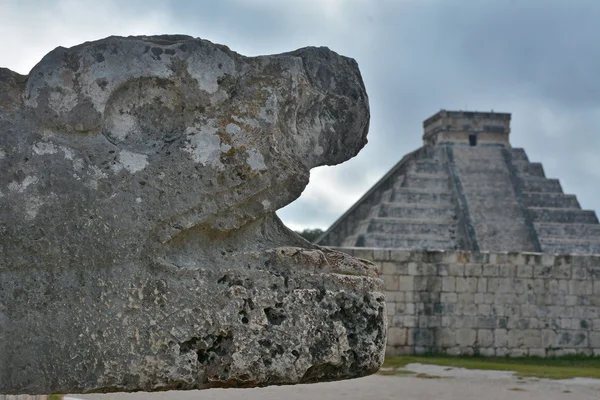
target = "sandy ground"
x: 432, y: 382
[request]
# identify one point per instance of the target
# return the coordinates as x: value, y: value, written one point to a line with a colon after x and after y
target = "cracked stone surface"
x: 140, y: 250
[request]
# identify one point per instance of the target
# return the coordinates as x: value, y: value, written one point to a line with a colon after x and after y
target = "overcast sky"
x: 537, y: 59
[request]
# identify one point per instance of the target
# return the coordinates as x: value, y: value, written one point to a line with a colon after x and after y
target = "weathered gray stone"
x: 140, y: 249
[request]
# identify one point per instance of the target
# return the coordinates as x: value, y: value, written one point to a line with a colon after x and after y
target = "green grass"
x: 550, y: 368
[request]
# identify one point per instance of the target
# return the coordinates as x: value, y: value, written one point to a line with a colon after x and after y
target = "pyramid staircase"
x: 416, y: 209
x: 468, y: 189
x: 560, y: 223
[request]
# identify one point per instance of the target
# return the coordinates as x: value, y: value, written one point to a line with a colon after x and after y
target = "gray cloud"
x: 536, y: 58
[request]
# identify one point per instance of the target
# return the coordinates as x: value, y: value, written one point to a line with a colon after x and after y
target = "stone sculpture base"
x: 272, y: 320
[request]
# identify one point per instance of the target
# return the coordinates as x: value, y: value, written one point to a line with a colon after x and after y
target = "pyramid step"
x: 545, y: 229
x: 518, y: 154
x: 427, y: 182
x: 550, y: 200
x: 350, y: 241
x: 429, y: 167
x: 417, y: 210
x: 569, y: 247
x: 430, y: 242
x: 537, y: 184
x: 563, y: 215
x: 444, y: 228
x: 478, y: 154
x: 566, y: 241
x: 412, y: 195
x: 398, y: 210
x: 526, y: 168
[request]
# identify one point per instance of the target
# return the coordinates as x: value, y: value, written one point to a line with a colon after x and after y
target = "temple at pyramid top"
x: 467, y: 127
x: 468, y: 189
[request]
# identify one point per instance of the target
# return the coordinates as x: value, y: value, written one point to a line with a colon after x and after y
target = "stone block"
x: 397, y: 297
x: 446, y: 338
x: 432, y: 256
x: 410, y: 321
x: 487, y: 352
x: 449, y: 257
x: 519, y: 286
x: 507, y: 271
x: 442, y: 269
x: 400, y: 256
x: 392, y: 268
x: 434, y: 284
x: 480, y: 258
x: 463, y: 257
x: 450, y: 297
x: 500, y: 338
x: 485, y: 338
x: 483, y: 310
x: 466, y: 337
x: 489, y: 298
x: 466, y: 285
x: 582, y: 273
x: 532, y: 338
x: 397, y: 321
x: 500, y: 285
x: 501, y: 352
x: 391, y: 282
x: 594, y: 340
x: 454, y: 351
x: 497, y: 258
x: 562, y: 272
x: 381, y: 255
x: 516, y: 338
x: 456, y: 269
x: 515, y: 258
x: 581, y: 288
x: 537, y: 352
x: 405, y: 283
x: 482, y: 285
x: 414, y: 268
x: 547, y: 260
x: 391, y: 307
x: 466, y: 299
x: 569, y: 338
x: 365, y: 254
x: 525, y: 271
x: 532, y: 258
x: 397, y: 336
x: 539, y: 286
x: 549, y: 338
x: 489, y: 270
x: 571, y: 301
x: 517, y: 352
x: 473, y: 270
x: 421, y: 283
x: 448, y: 284
x: 543, y: 271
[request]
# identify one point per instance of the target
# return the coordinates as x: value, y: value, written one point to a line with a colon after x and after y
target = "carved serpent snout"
x: 142, y: 92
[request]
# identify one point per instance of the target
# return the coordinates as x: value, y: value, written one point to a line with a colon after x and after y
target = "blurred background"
x: 537, y: 59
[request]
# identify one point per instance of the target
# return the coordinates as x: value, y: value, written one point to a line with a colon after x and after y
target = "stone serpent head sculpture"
x: 139, y: 182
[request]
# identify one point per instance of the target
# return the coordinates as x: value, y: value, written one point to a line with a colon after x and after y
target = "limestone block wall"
x: 493, y: 304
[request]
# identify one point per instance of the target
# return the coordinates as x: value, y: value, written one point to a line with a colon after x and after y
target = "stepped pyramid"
x: 467, y: 189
